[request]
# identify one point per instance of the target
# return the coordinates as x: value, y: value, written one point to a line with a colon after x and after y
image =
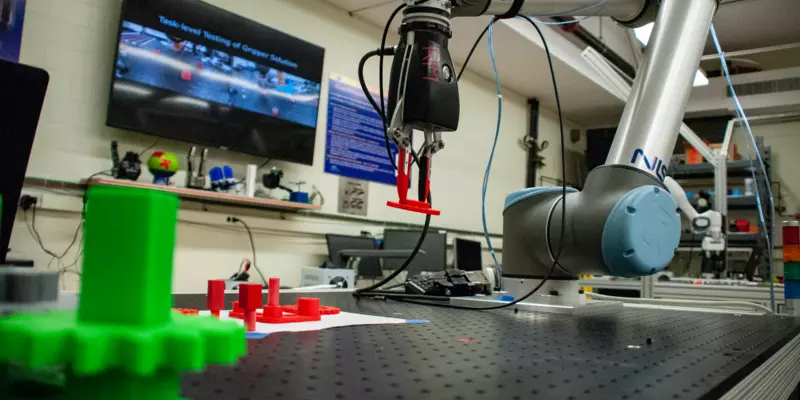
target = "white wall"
x: 784, y: 138
x: 74, y: 41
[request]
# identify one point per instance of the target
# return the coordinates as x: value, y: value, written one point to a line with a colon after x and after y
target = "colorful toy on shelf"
x: 162, y: 165
x: 222, y: 179
x: 124, y: 341
x: 308, y: 309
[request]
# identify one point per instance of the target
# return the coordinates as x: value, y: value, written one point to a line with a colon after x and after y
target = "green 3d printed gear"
x: 124, y: 341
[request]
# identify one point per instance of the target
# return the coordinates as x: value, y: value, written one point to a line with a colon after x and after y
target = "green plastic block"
x: 187, y: 343
x: 123, y: 342
x: 127, y: 265
x: 791, y: 271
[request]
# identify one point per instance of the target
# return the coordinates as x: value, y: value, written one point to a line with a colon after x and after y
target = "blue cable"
x: 743, y: 118
x: 485, y: 185
x: 494, y: 147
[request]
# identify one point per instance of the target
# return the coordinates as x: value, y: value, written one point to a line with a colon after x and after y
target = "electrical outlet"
x: 27, y: 201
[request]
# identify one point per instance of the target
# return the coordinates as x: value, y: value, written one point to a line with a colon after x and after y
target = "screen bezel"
x: 306, y: 159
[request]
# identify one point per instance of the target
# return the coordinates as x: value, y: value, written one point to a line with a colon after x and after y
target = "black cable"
x: 252, y: 246
x: 382, y: 112
x: 361, y: 65
x: 406, y: 263
x: 62, y: 268
x: 269, y: 160
x: 371, y: 290
x: 86, y: 191
x: 362, y: 81
x: 380, y: 76
x: 563, y: 203
x: 472, y: 50
x: 150, y: 147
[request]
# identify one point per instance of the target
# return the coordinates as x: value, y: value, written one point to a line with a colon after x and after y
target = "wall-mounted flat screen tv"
x: 190, y: 71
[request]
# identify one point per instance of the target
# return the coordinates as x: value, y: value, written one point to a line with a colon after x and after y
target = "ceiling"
x: 749, y: 24
x: 522, y: 61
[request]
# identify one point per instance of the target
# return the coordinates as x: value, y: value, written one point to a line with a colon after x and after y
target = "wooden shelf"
x: 208, y: 196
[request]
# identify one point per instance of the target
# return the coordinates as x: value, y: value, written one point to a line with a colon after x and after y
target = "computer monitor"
x: 435, y: 247
x: 21, y: 99
x: 468, y: 254
x: 368, y: 267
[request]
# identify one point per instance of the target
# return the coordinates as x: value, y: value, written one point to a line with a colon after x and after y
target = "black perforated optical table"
x: 631, y: 354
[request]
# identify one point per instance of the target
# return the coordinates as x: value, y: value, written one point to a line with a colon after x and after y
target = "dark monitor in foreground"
x: 368, y: 267
x: 468, y: 255
x: 434, y: 259
x: 22, y: 90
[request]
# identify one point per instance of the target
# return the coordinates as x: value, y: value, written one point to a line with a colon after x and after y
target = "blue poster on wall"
x: 354, y: 145
x: 12, y: 14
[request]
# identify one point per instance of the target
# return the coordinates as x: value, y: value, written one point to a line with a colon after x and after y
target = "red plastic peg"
x: 274, y: 295
x: 216, y: 296
x: 308, y: 306
x: 250, y: 301
x: 186, y: 75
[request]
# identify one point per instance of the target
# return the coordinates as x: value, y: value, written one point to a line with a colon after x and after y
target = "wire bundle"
x: 373, y: 290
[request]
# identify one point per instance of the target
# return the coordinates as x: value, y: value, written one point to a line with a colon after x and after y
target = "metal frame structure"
x: 717, y: 158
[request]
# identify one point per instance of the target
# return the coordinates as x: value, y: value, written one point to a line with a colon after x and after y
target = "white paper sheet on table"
x: 328, y: 321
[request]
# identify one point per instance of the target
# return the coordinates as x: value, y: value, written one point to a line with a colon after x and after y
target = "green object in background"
x: 791, y: 271
x: 124, y: 342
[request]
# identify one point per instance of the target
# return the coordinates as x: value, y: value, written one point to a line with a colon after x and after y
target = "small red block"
x: 274, y: 292
x: 308, y: 306
x: 250, y: 296
x: 186, y: 75
x: 215, y: 297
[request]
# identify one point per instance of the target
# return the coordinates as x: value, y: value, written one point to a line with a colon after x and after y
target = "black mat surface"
x: 499, y: 355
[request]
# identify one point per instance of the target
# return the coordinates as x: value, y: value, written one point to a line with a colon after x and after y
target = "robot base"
x: 556, y: 296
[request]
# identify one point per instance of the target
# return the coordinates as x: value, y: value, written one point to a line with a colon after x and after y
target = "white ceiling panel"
x: 522, y: 63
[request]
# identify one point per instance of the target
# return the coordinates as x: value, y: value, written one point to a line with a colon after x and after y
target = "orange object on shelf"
x: 753, y: 228
x: 187, y: 311
x: 692, y: 155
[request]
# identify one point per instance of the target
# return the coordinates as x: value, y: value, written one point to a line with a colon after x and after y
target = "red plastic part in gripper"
x: 414, y: 206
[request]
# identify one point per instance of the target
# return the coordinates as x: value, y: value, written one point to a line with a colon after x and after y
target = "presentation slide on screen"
x: 151, y: 57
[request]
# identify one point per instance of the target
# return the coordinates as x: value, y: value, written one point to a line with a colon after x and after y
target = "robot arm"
x: 623, y: 222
